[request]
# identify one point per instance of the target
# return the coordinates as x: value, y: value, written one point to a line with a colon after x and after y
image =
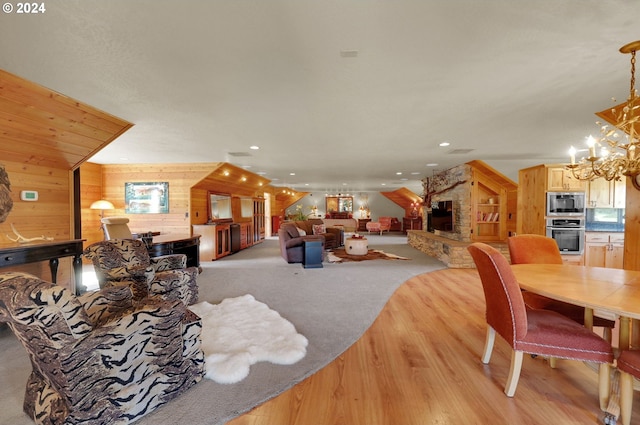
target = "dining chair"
x: 540, y: 332
x: 538, y: 249
x: 629, y: 366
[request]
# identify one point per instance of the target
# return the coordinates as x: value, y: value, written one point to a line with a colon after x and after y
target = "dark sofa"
x: 292, y: 243
x: 334, y: 236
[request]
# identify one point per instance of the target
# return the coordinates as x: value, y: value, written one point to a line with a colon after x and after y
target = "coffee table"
x: 356, y: 246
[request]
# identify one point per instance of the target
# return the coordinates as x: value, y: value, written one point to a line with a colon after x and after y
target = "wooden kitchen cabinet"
x: 604, y: 249
x: 600, y: 194
x: 606, y: 194
x: 560, y: 179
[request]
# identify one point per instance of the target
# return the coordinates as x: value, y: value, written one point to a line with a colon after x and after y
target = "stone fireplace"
x: 450, y: 247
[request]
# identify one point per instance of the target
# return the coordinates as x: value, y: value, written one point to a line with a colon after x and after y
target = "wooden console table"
x: 15, y: 254
x: 177, y: 244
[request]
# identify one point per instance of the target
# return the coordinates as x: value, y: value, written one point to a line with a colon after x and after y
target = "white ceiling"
x: 515, y: 82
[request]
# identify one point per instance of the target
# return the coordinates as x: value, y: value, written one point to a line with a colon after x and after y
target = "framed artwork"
x: 146, y: 198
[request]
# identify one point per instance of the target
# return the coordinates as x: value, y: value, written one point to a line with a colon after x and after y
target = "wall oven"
x: 568, y: 233
x: 565, y: 203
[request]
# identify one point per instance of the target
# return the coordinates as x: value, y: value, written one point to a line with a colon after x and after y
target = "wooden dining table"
x: 613, y: 291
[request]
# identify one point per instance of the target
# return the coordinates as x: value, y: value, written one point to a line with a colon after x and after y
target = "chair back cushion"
x: 505, y: 310
x: 116, y: 228
x: 534, y: 249
x: 385, y: 223
x: 121, y: 259
x: 291, y: 230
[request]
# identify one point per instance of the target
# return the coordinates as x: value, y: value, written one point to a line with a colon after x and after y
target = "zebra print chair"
x: 127, y: 262
x: 99, y: 358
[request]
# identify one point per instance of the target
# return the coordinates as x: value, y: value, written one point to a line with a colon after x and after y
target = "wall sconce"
x: 102, y: 205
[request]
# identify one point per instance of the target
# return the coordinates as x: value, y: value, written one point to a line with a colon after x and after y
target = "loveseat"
x: 292, y: 242
x: 333, y: 236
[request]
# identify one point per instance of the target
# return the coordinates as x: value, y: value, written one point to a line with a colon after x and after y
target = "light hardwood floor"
x: 419, y: 363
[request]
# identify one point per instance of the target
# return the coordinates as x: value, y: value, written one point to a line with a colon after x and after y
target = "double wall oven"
x: 566, y: 220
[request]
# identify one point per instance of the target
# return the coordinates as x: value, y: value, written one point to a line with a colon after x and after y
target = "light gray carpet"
x: 332, y: 307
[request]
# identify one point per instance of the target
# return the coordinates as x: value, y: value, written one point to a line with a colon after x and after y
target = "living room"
x: 353, y: 113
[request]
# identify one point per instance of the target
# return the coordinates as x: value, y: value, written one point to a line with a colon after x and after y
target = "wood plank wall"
x: 632, y: 228
x: 180, y: 178
x: 49, y: 216
x: 188, y: 190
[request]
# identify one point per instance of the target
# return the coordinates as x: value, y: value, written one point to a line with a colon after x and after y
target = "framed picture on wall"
x: 146, y: 198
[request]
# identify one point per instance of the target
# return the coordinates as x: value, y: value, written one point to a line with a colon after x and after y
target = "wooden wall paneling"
x: 91, y: 191
x: 49, y: 216
x: 199, y: 206
x: 44, y: 137
x: 181, y: 178
x: 631, y: 259
x: 532, y: 184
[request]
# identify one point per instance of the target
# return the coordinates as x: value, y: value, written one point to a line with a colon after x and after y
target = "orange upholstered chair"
x: 629, y: 366
x: 540, y: 332
x: 538, y: 249
x: 383, y: 224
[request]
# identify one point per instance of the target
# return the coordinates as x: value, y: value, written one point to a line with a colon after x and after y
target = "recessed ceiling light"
x: 404, y: 179
x: 415, y: 173
x: 432, y: 164
x: 261, y: 173
x: 306, y: 184
x: 383, y: 184
x: 292, y: 174
x: 254, y: 147
x: 399, y: 173
x: 443, y: 144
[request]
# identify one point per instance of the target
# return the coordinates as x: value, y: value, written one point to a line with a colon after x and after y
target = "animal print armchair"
x: 102, y: 357
x: 127, y: 262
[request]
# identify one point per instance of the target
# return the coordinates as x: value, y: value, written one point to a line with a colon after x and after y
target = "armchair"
x: 101, y: 357
x: 383, y: 224
x: 292, y: 244
x: 127, y: 262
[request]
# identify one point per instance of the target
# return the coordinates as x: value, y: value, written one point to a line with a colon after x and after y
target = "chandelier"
x: 618, y: 156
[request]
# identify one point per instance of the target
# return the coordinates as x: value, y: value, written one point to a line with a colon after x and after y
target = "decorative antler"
x: 22, y: 239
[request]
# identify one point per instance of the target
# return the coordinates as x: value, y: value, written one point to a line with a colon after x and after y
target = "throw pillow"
x: 302, y: 232
x: 319, y: 229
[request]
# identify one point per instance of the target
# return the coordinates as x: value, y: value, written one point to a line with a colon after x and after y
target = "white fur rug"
x: 242, y: 331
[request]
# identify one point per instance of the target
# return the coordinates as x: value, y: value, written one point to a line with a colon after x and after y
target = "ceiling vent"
x: 460, y: 151
x: 237, y: 154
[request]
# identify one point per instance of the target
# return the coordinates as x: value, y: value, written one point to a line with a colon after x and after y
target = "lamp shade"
x: 102, y: 204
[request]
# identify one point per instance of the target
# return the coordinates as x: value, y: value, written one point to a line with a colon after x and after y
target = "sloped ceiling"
x: 41, y: 127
